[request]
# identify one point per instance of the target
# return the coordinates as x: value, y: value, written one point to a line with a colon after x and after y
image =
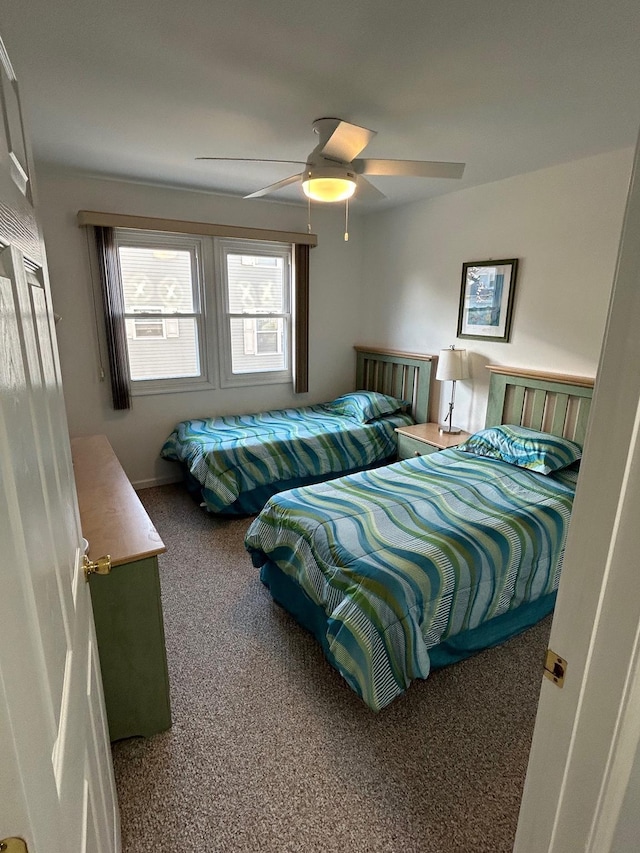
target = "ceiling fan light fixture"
x: 329, y: 188
x: 333, y: 170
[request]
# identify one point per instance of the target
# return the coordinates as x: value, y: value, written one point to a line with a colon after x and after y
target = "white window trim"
x: 228, y: 379
x: 204, y: 299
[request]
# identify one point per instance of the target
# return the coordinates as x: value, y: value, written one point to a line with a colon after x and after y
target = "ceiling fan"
x: 333, y: 171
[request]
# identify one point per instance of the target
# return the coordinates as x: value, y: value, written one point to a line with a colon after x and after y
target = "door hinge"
x: 555, y: 668
x: 13, y: 845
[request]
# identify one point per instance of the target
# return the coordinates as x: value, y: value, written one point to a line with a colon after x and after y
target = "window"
x: 163, y: 291
x: 255, y: 323
x: 171, y: 285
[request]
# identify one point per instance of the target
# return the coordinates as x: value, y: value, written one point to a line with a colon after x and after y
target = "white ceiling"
x: 138, y: 88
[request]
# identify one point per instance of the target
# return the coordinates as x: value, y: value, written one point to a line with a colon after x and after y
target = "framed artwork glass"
x: 486, y: 299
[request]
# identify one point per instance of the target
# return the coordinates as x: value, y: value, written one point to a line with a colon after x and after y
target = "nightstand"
x: 421, y: 439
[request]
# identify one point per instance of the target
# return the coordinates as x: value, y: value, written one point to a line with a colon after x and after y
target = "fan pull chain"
x: 308, y: 214
x: 346, y: 221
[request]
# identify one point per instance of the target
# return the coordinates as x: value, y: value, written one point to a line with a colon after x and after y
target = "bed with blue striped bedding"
x: 237, y: 462
x: 408, y: 567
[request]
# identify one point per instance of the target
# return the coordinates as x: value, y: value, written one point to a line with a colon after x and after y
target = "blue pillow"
x: 366, y: 406
x: 524, y: 447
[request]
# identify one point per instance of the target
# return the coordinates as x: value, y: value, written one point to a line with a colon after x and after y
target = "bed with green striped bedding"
x: 404, y: 568
x: 237, y: 462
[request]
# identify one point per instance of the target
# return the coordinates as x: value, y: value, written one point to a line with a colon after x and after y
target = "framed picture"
x: 486, y: 299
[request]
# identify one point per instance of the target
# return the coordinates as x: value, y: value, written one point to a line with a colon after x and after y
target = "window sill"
x: 245, y: 380
x: 140, y: 388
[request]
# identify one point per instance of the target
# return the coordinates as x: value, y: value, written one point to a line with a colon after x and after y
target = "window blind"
x: 180, y: 226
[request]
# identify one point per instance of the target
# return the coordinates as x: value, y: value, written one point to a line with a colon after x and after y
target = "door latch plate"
x: 13, y: 845
x: 555, y: 667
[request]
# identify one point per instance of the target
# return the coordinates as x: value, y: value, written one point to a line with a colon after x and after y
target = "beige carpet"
x: 271, y: 751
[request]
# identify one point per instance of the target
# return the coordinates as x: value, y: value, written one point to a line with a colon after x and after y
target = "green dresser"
x: 126, y: 603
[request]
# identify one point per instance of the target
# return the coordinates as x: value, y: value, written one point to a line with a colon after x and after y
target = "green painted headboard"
x: 552, y: 402
x: 404, y: 375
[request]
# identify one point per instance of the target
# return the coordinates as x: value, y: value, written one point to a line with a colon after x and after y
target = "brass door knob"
x: 102, y: 566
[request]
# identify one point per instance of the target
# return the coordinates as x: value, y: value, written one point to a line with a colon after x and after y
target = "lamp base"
x: 445, y: 429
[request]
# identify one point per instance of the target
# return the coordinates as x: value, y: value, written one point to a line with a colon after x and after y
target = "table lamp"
x: 452, y: 365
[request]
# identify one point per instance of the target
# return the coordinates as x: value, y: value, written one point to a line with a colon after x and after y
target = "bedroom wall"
x: 562, y: 223
x: 396, y: 284
x: 138, y: 434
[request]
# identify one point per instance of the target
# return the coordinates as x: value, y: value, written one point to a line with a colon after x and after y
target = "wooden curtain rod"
x: 150, y: 223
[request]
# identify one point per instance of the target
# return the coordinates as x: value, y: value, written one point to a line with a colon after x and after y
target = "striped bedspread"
x: 405, y: 556
x: 233, y: 455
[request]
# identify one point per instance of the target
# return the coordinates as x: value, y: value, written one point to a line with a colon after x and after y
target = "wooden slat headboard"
x: 553, y: 402
x: 404, y: 375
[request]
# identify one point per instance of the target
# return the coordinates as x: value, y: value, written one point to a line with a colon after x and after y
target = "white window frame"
x: 204, y: 307
x: 224, y: 247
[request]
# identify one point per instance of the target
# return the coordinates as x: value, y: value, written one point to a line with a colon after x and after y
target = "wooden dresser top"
x: 113, y: 519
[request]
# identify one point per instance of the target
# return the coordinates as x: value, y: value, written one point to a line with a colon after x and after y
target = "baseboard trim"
x: 155, y: 481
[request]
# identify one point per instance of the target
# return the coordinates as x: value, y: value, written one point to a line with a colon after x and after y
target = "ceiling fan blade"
x: 409, y: 168
x: 273, y: 187
x: 346, y: 141
x: 251, y: 160
x: 366, y: 191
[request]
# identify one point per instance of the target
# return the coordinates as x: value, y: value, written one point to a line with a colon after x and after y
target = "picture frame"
x: 486, y: 299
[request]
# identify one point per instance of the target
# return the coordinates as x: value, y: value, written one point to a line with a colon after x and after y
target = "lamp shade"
x: 328, y: 188
x: 452, y: 365
x: 327, y: 182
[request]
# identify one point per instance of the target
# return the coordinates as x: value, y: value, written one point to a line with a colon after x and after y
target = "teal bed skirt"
x: 253, y: 500
x: 494, y: 632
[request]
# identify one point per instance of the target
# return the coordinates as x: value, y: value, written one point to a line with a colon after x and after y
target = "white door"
x: 56, y: 778
x: 582, y: 790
